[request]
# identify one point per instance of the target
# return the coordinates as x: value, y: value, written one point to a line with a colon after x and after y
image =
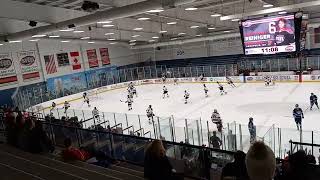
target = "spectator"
x: 237, y: 169
x: 215, y: 141
x: 156, y: 163
x: 72, y: 153
x: 260, y: 162
x: 39, y: 140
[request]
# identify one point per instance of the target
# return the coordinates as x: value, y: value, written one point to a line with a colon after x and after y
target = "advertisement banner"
x: 75, y: 59
x: 63, y: 59
x: 92, y: 58
x: 66, y: 85
x: 7, y: 72
x: 276, y: 78
x: 104, y: 53
x: 29, y: 66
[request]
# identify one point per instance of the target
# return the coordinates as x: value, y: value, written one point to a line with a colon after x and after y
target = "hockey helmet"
x: 250, y: 119
x: 297, y: 105
x: 215, y: 110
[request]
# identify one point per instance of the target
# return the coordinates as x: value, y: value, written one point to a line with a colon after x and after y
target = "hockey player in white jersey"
x: 66, y: 106
x: 163, y: 78
x: 95, y: 114
x: 87, y: 100
x: 222, y: 91
x: 165, y: 92
x: 129, y: 102
x: 186, y: 96
x: 150, y: 114
x: 216, y: 119
x: 230, y: 82
x: 134, y: 91
x: 205, y: 90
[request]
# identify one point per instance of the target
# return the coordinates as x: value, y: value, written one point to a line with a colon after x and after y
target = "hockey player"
x: 298, y: 116
x: 130, y: 85
x: 201, y: 77
x: 165, y: 92
x: 216, y: 119
x: 130, y: 93
x: 129, y: 102
x: 53, y: 106
x: 313, y: 101
x: 66, y: 106
x: 252, y: 130
x: 150, y: 114
x: 134, y: 91
x: 87, y: 100
x: 186, y: 96
x: 175, y: 81
x: 95, y: 112
x: 268, y: 81
x: 222, y: 92
x: 84, y: 95
x: 230, y: 82
x: 164, y: 78
x: 205, y: 90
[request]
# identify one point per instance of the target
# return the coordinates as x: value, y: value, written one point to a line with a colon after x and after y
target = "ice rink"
x: 267, y: 105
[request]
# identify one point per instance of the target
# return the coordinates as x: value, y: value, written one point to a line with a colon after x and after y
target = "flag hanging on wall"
x: 29, y: 65
x: 104, y: 53
x: 92, y: 58
x: 63, y: 59
x: 50, y: 64
x: 75, y: 59
x: 7, y: 72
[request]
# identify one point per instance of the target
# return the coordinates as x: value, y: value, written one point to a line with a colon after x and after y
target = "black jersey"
x: 284, y: 38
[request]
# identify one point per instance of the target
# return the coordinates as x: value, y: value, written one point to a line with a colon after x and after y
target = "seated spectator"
x: 237, y: 169
x: 156, y: 163
x: 39, y: 140
x: 260, y: 162
x: 89, y: 154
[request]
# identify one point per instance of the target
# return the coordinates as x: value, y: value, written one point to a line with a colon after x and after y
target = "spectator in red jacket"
x: 72, y: 153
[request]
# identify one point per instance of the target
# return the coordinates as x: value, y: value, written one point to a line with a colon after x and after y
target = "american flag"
x: 50, y: 64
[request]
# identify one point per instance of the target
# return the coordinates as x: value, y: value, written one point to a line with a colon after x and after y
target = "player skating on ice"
x: 313, y: 101
x: 129, y: 102
x: 165, y: 92
x: 150, y: 114
x: 87, y: 100
x: 201, y: 77
x: 95, y: 114
x: 216, y: 119
x: 205, y: 90
x: 186, y: 96
x: 252, y: 130
x: 222, y: 91
x: 66, y: 106
x: 230, y: 82
x: 84, y: 95
x: 134, y: 91
x: 130, y: 93
x: 268, y: 81
x: 53, y: 106
x: 175, y: 81
x: 163, y: 78
x: 298, y: 116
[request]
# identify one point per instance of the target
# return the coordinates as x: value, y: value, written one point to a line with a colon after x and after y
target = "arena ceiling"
x: 185, y: 20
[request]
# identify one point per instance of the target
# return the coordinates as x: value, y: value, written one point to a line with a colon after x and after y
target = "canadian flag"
x: 76, y: 64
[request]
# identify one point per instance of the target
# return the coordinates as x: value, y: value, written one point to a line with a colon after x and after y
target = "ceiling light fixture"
x: 267, y: 5
x: 215, y: 15
x: 132, y: 44
x: 193, y: 27
x: 172, y: 23
x: 111, y: 39
x: 143, y: 18
x: 155, y: 10
x: 191, y: 9
x: 1, y: 44
x: 110, y: 33
x: 152, y: 40
x: 137, y: 29
x: 282, y: 12
x: 162, y: 31
x: 91, y: 42
x: 107, y: 25
x: 17, y: 41
x: 137, y: 35
x: 113, y: 43
x: 104, y: 22
x: 181, y: 34
x: 227, y: 31
x: 198, y: 35
x: 172, y: 39
x: 132, y: 40
x: 235, y: 20
x: 155, y: 37
x: 39, y: 35
x: 64, y: 41
x: 34, y: 40
x: 211, y: 28
x: 78, y: 31
x: 85, y: 37
x: 54, y: 36
x: 66, y: 30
